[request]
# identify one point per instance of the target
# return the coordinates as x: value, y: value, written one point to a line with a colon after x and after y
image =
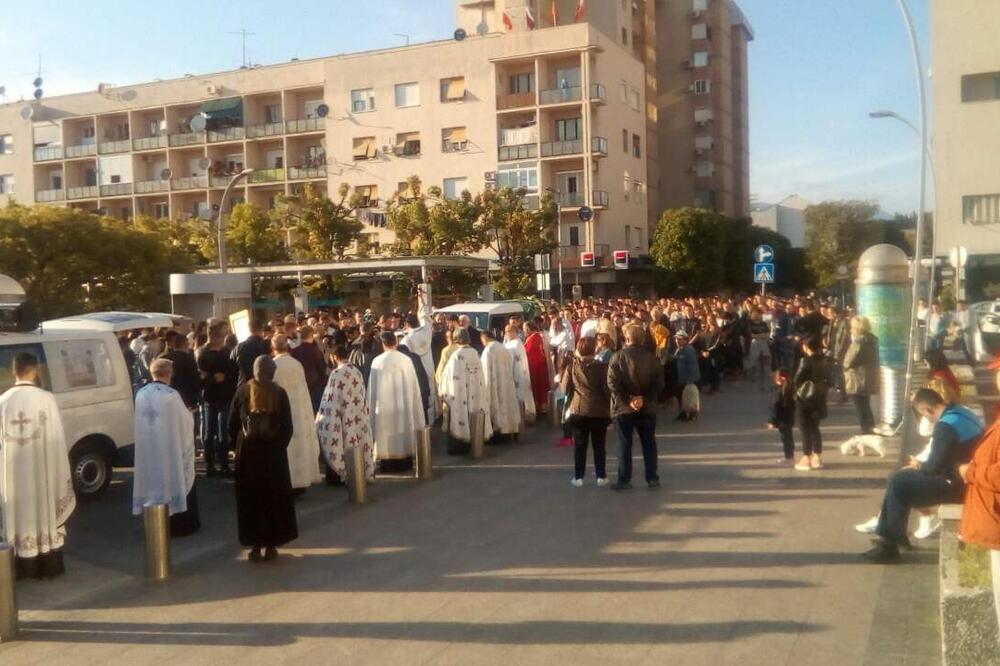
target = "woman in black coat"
x: 260, y: 423
x: 812, y: 383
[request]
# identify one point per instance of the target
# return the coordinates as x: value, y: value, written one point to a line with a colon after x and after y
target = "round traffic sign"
x: 764, y: 254
x: 586, y: 213
x: 843, y: 272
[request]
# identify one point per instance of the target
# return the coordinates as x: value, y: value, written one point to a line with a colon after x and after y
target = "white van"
x: 86, y: 372
x: 492, y: 316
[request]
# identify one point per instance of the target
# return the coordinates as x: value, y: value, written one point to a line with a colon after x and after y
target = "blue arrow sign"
x: 763, y: 273
x: 763, y: 254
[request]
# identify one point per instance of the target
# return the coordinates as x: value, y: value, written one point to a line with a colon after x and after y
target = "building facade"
x: 787, y: 217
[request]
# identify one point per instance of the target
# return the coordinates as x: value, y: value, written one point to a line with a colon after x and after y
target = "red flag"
x: 529, y: 18
x: 581, y: 10
x: 507, y: 23
x: 555, y: 13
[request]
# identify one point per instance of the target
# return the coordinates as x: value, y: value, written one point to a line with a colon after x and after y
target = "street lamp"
x: 222, y: 206
x: 558, y: 196
x: 877, y: 115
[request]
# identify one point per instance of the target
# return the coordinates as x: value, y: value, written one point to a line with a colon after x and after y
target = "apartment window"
x: 403, y: 190
x: 699, y: 5
x: 705, y: 169
x: 569, y: 182
x: 407, y: 95
x: 705, y: 199
x: 569, y: 77
x: 6, y: 184
x: 522, y: 83
x: 453, y: 89
x: 362, y: 100
x: 454, y: 140
x: 6, y: 144
x: 453, y: 187
x: 981, y: 87
x: 90, y: 177
x: 408, y: 144
x: 699, y: 31
x: 636, y: 145
x: 569, y: 129
x: 272, y: 113
x: 161, y: 210
x: 704, y: 142
x: 624, y: 92
x: 702, y: 87
x: 625, y: 141
x: 981, y: 209
x: 624, y: 35
x: 365, y: 148
x: 518, y: 177
x: 635, y: 99
x: 55, y: 180
x: 574, y: 236
x: 367, y: 195
x: 700, y: 59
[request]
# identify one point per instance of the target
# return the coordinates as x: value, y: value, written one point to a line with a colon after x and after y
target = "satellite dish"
x: 166, y: 174
x: 38, y: 93
x: 322, y: 110
x: 204, y: 163
x: 197, y: 123
x: 3, y: 90
x: 482, y: 29
x: 27, y: 112
x: 460, y: 35
x: 37, y: 82
x: 128, y: 95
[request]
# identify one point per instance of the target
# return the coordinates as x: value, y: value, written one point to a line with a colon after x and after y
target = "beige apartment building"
x: 562, y: 108
x: 966, y: 143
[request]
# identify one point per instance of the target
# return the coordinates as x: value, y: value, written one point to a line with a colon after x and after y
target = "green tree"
x: 837, y: 232
x: 427, y: 224
x: 253, y: 237
x: 325, y: 227
x: 690, y: 247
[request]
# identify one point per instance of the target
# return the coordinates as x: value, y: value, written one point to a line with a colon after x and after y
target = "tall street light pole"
x: 876, y: 115
x: 221, y: 223
x: 559, y: 257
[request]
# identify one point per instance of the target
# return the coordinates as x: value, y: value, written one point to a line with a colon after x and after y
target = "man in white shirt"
x: 588, y: 329
x: 965, y: 341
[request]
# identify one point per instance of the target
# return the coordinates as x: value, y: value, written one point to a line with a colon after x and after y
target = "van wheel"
x: 91, y: 470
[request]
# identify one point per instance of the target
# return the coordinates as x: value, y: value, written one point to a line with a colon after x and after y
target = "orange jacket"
x: 981, y: 513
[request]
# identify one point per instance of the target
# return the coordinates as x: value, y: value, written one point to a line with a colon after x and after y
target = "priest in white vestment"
x: 303, y: 451
x: 463, y: 389
x: 522, y: 376
x: 36, y: 487
x: 498, y: 374
x: 394, y: 402
x: 418, y: 339
x: 343, y: 421
x: 164, y: 452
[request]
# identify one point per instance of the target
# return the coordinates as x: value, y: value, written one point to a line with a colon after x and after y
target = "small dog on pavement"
x: 861, y: 444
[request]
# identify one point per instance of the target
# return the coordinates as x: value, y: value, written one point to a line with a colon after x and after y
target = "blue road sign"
x: 586, y: 214
x: 764, y: 254
x: 763, y: 273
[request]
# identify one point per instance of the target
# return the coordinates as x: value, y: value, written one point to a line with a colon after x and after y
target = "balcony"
x: 86, y: 192
x: 187, y: 139
x: 561, y: 95
x: 219, y: 182
x: 46, y: 153
x: 306, y: 173
x: 525, y: 151
x: 189, y: 183
x: 532, y: 202
x: 307, y: 125
x: 598, y: 145
x: 571, y: 199
x: 45, y: 196
x: 226, y: 134
x: 116, y: 190
x: 266, y: 176
x: 151, y: 186
x: 149, y: 143
x: 108, y: 147
x: 81, y: 150
x: 598, y: 93
x: 569, y: 256
x: 265, y: 130
x: 601, y: 198
x: 515, y: 101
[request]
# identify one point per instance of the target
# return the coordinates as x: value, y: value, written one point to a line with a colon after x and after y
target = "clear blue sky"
x: 817, y: 68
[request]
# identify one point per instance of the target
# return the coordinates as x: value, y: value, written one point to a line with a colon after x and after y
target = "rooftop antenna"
x: 244, y: 34
x: 403, y: 35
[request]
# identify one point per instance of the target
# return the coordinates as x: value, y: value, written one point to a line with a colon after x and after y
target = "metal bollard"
x: 8, y: 595
x: 157, y: 521
x: 478, y: 435
x: 555, y: 417
x: 425, y: 464
x: 357, y: 485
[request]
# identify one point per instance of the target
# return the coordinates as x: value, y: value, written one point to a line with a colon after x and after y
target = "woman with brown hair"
x: 260, y: 423
x: 586, y: 381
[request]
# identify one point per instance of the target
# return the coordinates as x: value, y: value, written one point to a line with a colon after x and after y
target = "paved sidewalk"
x: 734, y: 561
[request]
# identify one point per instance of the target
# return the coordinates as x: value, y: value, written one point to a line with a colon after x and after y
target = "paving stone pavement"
x: 736, y: 560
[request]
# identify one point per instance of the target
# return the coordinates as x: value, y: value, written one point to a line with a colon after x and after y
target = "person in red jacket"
x: 538, y: 367
x: 981, y: 511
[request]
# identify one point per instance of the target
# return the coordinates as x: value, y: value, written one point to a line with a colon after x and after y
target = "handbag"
x: 808, y: 391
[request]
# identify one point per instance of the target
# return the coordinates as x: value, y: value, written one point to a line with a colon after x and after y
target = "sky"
x: 817, y: 68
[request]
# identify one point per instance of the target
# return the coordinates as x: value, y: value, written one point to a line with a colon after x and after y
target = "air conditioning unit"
x: 211, y: 90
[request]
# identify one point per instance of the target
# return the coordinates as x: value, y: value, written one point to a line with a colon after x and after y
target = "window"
x: 453, y: 89
x: 407, y: 94
x: 568, y: 77
x: 272, y: 113
x: 367, y: 195
x: 454, y: 140
x: 981, y: 87
x: 635, y: 99
x: 90, y: 177
x: 522, y: 83
x: 7, y: 354
x: 365, y: 148
x: 518, y: 177
x: 700, y: 59
x: 625, y: 141
x: 6, y: 184
x: 55, y: 180
x: 84, y: 364
x: 704, y: 142
x: 699, y: 31
x: 569, y: 129
x: 408, y: 144
x: 362, y: 100
x: 404, y: 191
x: 981, y: 209
x: 705, y: 199
x: 161, y: 211
x: 624, y: 92
x: 574, y: 236
x: 636, y: 145
x: 6, y: 144
x: 705, y: 169
x: 570, y: 183
x: 702, y: 87
x: 699, y: 5
x: 453, y: 187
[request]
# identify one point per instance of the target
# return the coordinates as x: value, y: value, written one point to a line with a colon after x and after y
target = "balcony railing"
x: 306, y: 125
x: 86, y: 192
x: 122, y: 146
x: 219, y: 181
x: 189, y: 183
x: 267, y: 129
x: 599, y: 145
x: 561, y: 95
x: 522, y: 152
x: 532, y: 202
x: 44, y: 153
x: 116, y: 190
x: 267, y: 176
x: 598, y: 93
x: 569, y: 256
x: 187, y: 139
x: 571, y: 199
x: 150, y: 186
x: 306, y: 173
x: 43, y: 196
x: 80, y: 150
x: 515, y: 101
x: 561, y: 148
x: 601, y: 198
x: 226, y: 134
x: 149, y: 143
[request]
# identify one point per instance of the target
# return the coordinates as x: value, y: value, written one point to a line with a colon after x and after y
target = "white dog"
x: 857, y: 446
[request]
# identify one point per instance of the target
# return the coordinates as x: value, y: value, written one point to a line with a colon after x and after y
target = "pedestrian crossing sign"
x: 763, y: 273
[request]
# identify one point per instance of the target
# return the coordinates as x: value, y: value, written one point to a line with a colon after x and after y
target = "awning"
x: 405, y: 137
x: 364, y: 148
x: 455, y: 89
x: 455, y: 135
x: 217, y: 109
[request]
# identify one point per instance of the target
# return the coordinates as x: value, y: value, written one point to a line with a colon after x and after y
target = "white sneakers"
x: 578, y: 483
x: 868, y: 527
x: 809, y: 463
x: 603, y: 482
x: 928, y: 526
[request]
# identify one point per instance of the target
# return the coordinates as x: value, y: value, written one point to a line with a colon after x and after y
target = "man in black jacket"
x: 247, y: 351
x: 635, y: 378
x: 185, y: 378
